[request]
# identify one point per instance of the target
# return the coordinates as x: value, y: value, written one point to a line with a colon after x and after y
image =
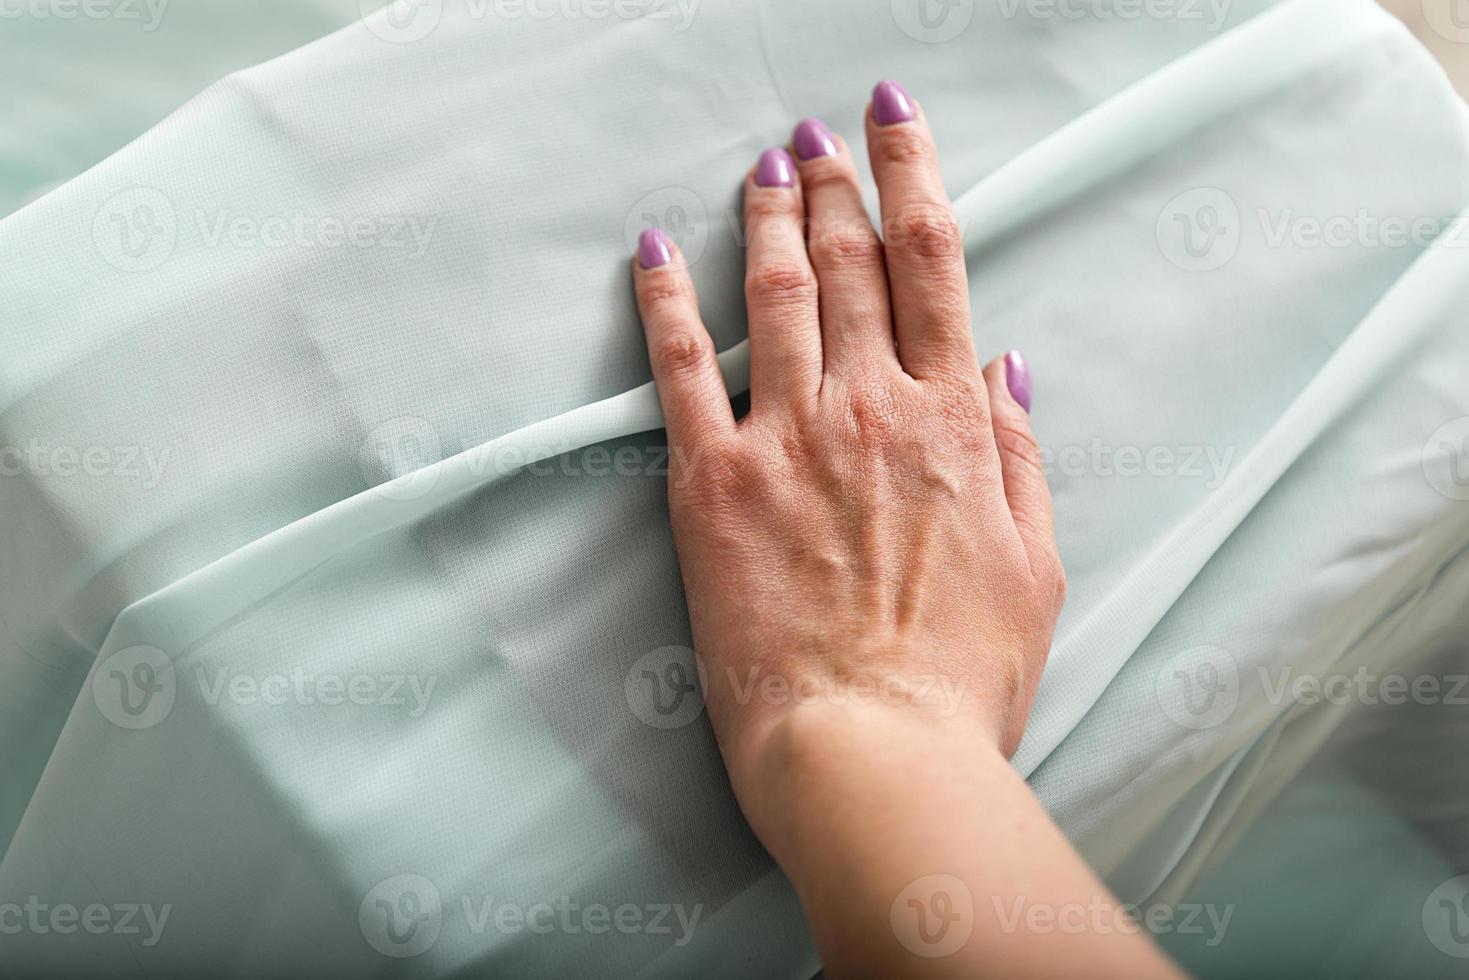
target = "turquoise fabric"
x: 339, y: 608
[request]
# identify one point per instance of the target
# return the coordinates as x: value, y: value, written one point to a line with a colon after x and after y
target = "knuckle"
x: 848, y: 244
x: 1015, y: 440
x: 964, y: 418
x: 904, y: 145
x: 827, y: 173
x: 680, y: 352
x: 760, y: 207
x: 874, y: 411
x: 1049, y: 583
x: 721, y: 476
x: 927, y: 230
x: 658, y: 292
x: 780, y: 282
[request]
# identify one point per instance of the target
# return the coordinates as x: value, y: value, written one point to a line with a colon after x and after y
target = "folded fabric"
x: 86, y: 78
x: 340, y: 622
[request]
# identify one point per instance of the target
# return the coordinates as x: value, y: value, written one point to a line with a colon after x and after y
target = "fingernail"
x: 653, y: 248
x: 813, y: 139
x: 775, y: 169
x: 890, y: 104
x: 1017, y: 378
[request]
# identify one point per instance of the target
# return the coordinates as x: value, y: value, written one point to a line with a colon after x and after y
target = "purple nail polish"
x: 775, y: 169
x: 653, y: 248
x: 890, y: 104
x: 1017, y: 378
x: 813, y: 139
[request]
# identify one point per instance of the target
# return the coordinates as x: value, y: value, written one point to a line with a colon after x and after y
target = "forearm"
x: 918, y: 851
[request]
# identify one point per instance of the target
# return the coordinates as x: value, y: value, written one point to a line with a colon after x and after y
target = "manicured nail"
x: 653, y: 248
x: 1017, y: 378
x: 890, y: 104
x: 813, y: 139
x: 775, y: 169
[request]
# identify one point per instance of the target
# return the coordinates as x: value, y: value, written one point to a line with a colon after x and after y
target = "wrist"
x: 788, y: 767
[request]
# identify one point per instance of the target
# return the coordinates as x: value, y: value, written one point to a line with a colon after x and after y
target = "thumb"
x: 1008, y: 380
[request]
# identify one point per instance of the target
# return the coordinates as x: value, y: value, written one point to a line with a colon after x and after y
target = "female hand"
x: 880, y: 516
x: 868, y: 557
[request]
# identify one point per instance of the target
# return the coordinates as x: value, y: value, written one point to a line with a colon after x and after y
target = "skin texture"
x: 872, y: 577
